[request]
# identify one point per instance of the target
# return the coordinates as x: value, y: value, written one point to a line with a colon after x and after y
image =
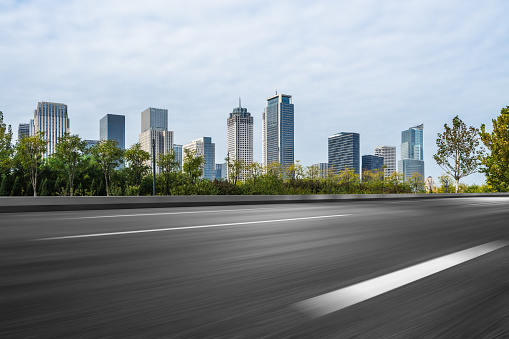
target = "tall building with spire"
x: 412, y: 159
x: 240, y: 137
x: 278, y: 131
x: 51, y: 118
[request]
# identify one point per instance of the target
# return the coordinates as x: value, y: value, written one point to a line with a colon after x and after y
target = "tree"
x: 193, y: 164
x: 16, y: 188
x: 313, y: 172
x: 496, y: 164
x: 29, y: 151
x: 108, y: 156
x: 138, y: 163
x: 235, y: 168
x: 5, y: 142
x: 255, y: 171
x: 168, y: 164
x: 4, y: 187
x: 417, y: 182
x: 69, y: 151
x: 445, y: 182
x: 458, y: 152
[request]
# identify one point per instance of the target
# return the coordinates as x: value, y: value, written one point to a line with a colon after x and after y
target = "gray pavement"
x: 240, y: 271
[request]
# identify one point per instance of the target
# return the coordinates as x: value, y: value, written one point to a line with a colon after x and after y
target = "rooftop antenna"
x: 276, y: 91
x: 239, y: 102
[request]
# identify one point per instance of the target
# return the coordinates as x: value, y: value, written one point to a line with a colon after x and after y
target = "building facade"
x: 372, y: 163
x: 51, y: 118
x: 154, y: 118
x: 154, y: 126
x: 23, y: 131
x: 344, y: 152
x: 177, y: 149
x: 112, y: 127
x: 221, y: 172
x: 206, y: 148
x: 278, y: 131
x: 91, y: 143
x: 389, y: 155
x: 240, y: 137
x: 412, y: 158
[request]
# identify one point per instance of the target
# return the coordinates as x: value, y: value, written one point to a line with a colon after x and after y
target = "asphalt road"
x: 243, y: 271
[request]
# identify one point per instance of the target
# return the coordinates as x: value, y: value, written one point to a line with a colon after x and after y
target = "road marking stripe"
x: 189, y: 227
x: 339, y: 299
x: 168, y: 213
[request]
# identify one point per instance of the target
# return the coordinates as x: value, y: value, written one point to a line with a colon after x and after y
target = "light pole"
x: 153, y: 167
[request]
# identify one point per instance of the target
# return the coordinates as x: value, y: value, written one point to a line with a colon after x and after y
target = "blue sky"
x: 372, y: 67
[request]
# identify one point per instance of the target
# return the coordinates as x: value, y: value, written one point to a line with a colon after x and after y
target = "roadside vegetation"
x: 104, y: 169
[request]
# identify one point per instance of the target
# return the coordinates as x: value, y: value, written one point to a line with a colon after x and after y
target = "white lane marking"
x: 169, y: 213
x: 189, y: 227
x: 339, y: 299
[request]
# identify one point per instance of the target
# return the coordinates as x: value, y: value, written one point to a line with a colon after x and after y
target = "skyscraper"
x: 154, y: 118
x: 112, y: 127
x: 372, y: 162
x: 240, y: 137
x: 154, y: 126
x: 389, y: 155
x: 412, y: 160
x: 51, y: 118
x: 344, y: 152
x: 23, y: 131
x: 278, y: 130
x: 206, y: 148
x: 177, y: 149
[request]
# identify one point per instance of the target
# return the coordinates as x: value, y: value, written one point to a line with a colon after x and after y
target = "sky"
x: 371, y: 67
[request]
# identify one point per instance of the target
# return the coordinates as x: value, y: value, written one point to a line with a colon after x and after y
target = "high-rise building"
x: 322, y: 169
x: 372, y: 162
x: 206, y: 148
x: 177, y: 149
x: 154, y: 118
x: 154, y: 127
x: 221, y: 171
x: 412, y: 160
x: 344, y: 152
x: 51, y: 118
x: 389, y: 155
x: 112, y: 127
x: 278, y: 131
x: 23, y: 131
x: 240, y: 137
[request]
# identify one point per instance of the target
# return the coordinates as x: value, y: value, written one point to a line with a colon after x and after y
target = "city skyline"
x: 374, y: 68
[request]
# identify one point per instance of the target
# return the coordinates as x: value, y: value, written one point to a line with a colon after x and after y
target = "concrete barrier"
x: 46, y: 204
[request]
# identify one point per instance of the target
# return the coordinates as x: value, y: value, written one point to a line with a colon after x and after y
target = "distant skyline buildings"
x: 51, y: 118
x: 177, y: 150
x: 154, y: 127
x: 206, y: 148
x: 372, y: 162
x: 112, y: 127
x: 23, y: 130
x: 389, y: 155
x: 278, y: 131
x: 344, y: 152
x: 240, y: 137
x: 155, y: 119
x: 412, y: 157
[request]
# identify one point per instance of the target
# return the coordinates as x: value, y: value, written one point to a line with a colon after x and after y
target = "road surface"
x: 368, y: 269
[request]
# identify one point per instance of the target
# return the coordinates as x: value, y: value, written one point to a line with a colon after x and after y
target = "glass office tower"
x: 206, y: 148
x: 112, y: 127
x: 155, y: 119
x: 240, y: 137
x: 412, y: 160
x: 278, y: 131
x: 51, y: 118
x: 344, y: 152
x: 372, y: 162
